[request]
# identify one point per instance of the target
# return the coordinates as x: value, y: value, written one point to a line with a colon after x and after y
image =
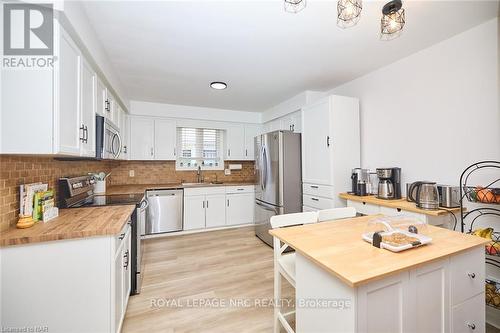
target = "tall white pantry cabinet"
x: 330, y: 149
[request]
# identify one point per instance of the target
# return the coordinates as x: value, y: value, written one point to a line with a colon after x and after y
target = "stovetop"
x: 107, y: 200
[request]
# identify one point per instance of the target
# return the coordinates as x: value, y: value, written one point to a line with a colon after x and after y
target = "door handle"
x: 82, y: 137
x: 228, y: 202
x: 229, y: 152
x: 203, y: 204
x: 328, y: 141
x: 207, y: 203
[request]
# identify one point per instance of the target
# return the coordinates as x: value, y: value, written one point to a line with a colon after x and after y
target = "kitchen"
x: 159, y: 164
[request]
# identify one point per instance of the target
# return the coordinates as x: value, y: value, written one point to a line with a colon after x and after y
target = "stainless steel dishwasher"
x: 164, y: 212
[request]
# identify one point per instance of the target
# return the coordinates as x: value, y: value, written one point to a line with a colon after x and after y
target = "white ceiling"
x: 169, y: 51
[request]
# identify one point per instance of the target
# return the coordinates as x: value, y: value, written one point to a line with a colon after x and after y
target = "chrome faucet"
x: 199, y: 175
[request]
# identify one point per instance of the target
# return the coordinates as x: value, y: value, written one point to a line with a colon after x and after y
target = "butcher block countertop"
x: 72, y: 223
x: 337, y: 247
x: 398, y: 203
x: 141, y: 188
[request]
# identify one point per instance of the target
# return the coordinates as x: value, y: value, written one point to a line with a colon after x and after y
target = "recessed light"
x: 218, y: 85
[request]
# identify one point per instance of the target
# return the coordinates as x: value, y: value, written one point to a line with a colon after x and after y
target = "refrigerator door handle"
x: 264, y: 160
x: 266, y: 207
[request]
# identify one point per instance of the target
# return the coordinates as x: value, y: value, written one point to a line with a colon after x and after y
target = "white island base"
x: 445, y: 295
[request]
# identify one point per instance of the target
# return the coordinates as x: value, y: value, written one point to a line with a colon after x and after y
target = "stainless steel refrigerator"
x: 279, y: 179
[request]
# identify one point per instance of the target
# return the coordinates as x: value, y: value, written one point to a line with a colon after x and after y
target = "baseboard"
x: 187, y: 232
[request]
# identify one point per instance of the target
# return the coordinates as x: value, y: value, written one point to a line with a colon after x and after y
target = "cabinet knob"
x: 471, y: 275
x: 472, y: 326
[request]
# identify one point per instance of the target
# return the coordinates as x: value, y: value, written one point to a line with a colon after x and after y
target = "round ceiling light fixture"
x: 393, y: 20
x: 218, y: 85
x: 294, y: 6
x: 348, y: 12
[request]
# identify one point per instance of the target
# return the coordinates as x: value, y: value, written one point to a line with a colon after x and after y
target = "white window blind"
x: 199, y: 147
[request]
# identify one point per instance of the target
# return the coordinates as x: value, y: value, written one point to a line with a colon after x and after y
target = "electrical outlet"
x: 131, y: 173
x: 227, y: 172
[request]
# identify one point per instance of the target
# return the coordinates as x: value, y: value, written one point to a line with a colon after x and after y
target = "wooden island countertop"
x: 337, y: 247
x: 72, y: 223
x: 402, y: 204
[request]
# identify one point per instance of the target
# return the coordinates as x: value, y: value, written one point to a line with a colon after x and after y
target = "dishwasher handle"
x: 163, y: 193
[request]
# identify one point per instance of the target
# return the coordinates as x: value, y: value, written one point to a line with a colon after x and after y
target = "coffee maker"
x: 359, y: 181
x: 389, y: 185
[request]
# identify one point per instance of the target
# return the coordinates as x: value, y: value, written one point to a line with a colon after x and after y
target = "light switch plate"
x: 131, y: 173
x: 227, y: 172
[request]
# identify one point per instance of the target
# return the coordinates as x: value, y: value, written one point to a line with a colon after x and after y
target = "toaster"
x: 449, y: 196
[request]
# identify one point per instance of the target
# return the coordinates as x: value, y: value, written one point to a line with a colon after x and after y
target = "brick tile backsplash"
x: 16, y: 170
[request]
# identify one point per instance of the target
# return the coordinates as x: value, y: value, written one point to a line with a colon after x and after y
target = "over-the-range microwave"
x: 108, y: 141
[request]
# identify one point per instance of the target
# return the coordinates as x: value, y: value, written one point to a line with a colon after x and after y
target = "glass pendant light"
x: 393, y: 20
x: 294, y: 6
x: 348, y: 12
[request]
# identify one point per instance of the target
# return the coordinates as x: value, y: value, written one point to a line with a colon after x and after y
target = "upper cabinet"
x: 290, y: 122
x: 251, y: 131
x: 52, y: 110
x: 235, y: 143
x: 142, y: 138
x: 165, y: 140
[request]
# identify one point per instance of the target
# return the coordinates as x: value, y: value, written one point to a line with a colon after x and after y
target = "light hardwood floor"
x: 225, y: 264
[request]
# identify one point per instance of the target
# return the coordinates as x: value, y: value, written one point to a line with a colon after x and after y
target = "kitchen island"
x: 344, y: 284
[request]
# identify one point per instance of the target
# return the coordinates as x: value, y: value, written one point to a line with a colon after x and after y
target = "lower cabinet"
x: 75, y: 285
x: 210, y: 207
x: 240, y: 208
x: 215, y: 209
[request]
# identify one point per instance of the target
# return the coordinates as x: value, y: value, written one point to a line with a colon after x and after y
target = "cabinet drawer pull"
x: 228, y: 202
x: 207, y: 203
x: 398, y: 209
x: 122, y: 236
x: 315, y: 199
x: 472, y: 326
x: 471, y: 275
x: 314, y: 186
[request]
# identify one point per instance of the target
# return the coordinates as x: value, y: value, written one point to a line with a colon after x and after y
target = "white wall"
x: 434, y: 112
x: 192, y: 112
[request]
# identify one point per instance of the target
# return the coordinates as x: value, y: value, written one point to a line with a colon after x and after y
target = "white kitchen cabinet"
x: 56, y: 107
x: 100, y: 98
x: 194, y: 212
x: 88, y: 77
x: 331, y: 143
x: 291, y: 122
x: 70, y: 133
x: 125, y: 135
x: 110, y: 107
x: 240, y: 208
x: 235, y: 143
x: 469, y: 316
x: 215, y: 210
x: 142, y: 138
x: 165, y: 139
x: 251, y: 131
x: 126, y: 269
x: 76, y: 285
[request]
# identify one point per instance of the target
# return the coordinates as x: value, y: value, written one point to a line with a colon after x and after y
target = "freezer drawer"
x: 164, y: 213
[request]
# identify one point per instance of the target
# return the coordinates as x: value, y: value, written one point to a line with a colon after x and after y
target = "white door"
x: 118, y: 288
x: 70, y: 132
x: 215, y: 210
x: 125, y: 134
x: 235, y: 143
x: 316, y: 144
x: 88, y: 110
x: 126, y: 268
x: 240, y: 208
x: 296, y: 122
x: 432, y: 295
x: 251, y: 131
x: 111, y: 107
x: 194, y: 212
x: 100, y: 99
x: 165, y: 140
x: 141, y: 139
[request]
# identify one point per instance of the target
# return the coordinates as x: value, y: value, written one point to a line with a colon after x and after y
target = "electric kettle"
x: 424, y: 194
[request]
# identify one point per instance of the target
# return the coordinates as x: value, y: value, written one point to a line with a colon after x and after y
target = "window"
x: 199, y: 147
